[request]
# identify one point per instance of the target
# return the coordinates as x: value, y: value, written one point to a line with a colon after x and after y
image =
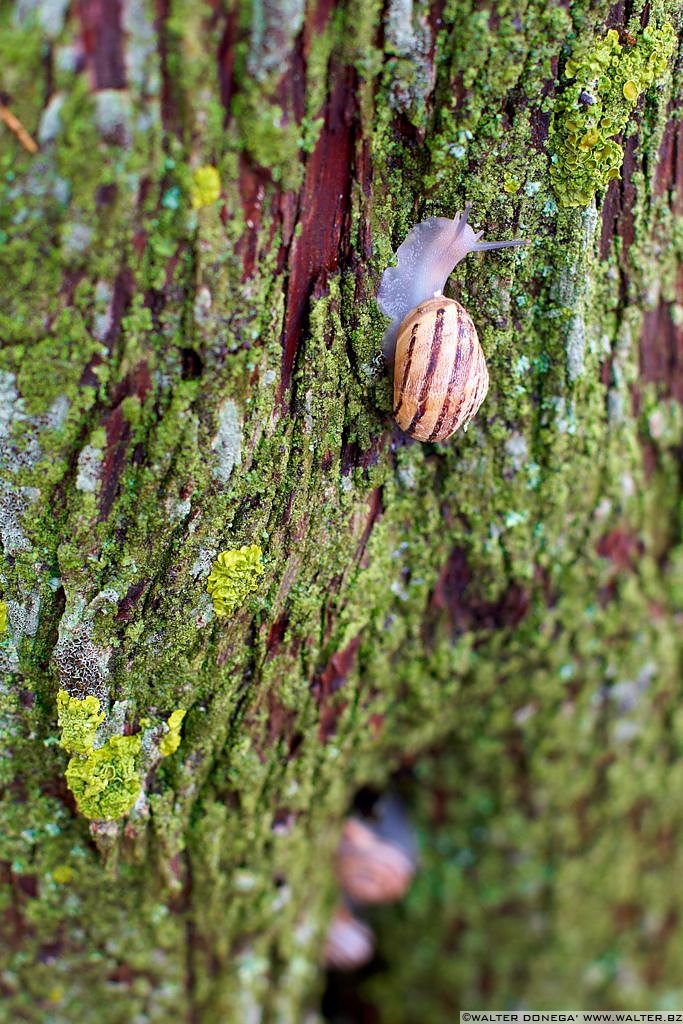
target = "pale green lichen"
x: 603, y: 83
x: 171, y: 740
x: 227, y: 442
x: 206, y: 187
x: 233, y: 577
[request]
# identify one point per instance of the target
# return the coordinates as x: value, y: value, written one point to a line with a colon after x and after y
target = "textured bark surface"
x: 497, y: 618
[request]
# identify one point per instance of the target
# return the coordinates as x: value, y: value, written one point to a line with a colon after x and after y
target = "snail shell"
x: 371, y: 868
x: 350, y: 943
x: 440, y: 375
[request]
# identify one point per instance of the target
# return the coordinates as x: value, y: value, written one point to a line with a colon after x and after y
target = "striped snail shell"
x: 440, y: 375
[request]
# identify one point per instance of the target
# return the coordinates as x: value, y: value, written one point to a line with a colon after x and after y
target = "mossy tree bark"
x: 189, y: 365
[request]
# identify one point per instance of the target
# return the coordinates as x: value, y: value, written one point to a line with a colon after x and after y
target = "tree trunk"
x: 190, y: 365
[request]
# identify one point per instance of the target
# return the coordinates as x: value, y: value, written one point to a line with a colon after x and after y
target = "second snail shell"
x: 350, y: 942
x: 440, y: 375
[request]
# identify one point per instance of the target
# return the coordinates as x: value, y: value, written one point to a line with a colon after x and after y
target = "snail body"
x: 440, y: 375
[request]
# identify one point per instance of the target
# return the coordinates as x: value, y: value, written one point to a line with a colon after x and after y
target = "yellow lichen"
x: 79, y: 721
x: 103, y: 780
x: 171, y: 740
x: 605, y: 82
x: 206, y: 186
x: 63, y: 874
x: 233, y: 577
x: 630, y: 90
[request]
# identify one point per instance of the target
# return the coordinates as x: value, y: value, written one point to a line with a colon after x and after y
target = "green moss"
x: 171, y: 740
x: 47, y: 368
x: 79, y: 721
x: 603, y: 81
x: 3, y: 617
x: 233, y: 577
x: 270, y: 137
x: 105, y: 782
x: 321, y: 47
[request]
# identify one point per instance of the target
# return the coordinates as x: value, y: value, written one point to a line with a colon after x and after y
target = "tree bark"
x: 189, y: 365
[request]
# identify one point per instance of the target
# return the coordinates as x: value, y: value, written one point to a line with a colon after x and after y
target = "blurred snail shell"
x: 440, y: 375
x: 370, y: 868
x: 350, y: 943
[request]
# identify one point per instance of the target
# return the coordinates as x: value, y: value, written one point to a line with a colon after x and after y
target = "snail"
x: 375, y: 863
x: 377, y: 858
x: 350, y: 942
x: 440, y: 375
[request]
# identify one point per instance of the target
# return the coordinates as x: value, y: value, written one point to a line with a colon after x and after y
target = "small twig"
x: 15, y: 125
